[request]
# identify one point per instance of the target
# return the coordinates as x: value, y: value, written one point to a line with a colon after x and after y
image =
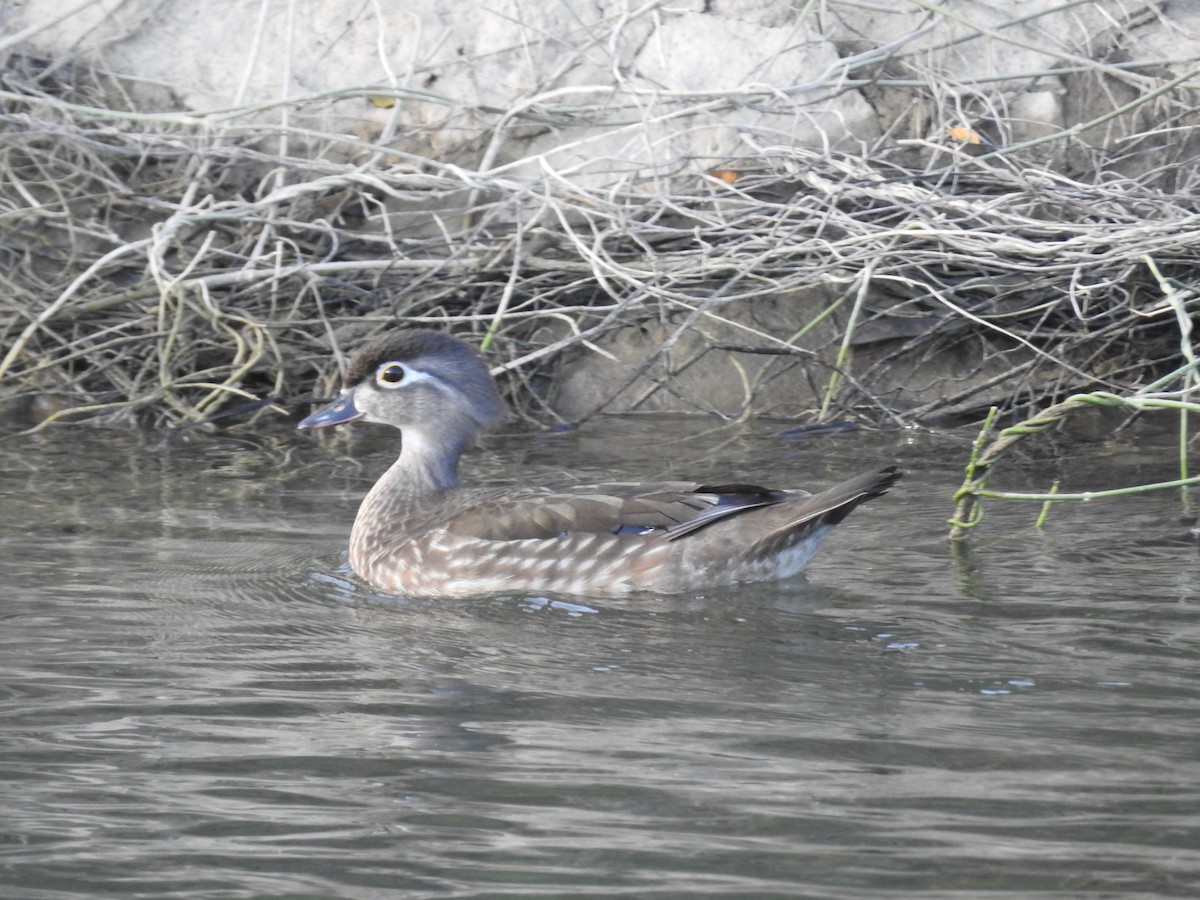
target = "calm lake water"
x: 199, y: 700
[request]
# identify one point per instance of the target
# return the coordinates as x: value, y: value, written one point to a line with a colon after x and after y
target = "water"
x: 198, y: 700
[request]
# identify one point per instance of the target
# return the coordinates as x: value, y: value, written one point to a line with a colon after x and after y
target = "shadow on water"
x: 200, y: 700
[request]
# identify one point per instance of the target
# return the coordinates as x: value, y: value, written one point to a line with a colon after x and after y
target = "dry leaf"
x: 964, y: 135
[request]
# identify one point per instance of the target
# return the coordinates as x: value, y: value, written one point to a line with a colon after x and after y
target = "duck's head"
x: 432, y: 386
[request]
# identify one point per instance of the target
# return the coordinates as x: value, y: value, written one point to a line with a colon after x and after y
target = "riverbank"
x: 1002, y: 244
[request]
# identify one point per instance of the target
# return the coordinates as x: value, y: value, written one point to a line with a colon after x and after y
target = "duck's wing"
x: 670, y: 511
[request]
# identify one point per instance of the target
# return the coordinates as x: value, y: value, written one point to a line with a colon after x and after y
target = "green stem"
x: 1085, y: 496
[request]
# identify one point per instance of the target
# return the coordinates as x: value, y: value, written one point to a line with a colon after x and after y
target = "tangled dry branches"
x: 154, y: 271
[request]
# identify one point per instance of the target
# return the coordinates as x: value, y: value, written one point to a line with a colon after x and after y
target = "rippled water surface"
x: 198, y: 700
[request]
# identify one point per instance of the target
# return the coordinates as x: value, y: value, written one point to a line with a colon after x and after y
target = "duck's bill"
x: 338, y: 412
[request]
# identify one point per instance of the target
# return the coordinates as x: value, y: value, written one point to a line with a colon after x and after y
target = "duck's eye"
x: 390, y: 374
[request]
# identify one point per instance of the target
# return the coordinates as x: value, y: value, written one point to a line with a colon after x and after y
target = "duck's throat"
x: 424, y: 471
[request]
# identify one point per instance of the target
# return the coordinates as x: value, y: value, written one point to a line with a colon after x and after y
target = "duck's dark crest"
x: 407, y: 345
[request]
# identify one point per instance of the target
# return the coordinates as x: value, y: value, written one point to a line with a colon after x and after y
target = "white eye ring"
x: 390, y: 375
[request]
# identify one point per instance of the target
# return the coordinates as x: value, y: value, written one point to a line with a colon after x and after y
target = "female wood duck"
x: 419, y: 533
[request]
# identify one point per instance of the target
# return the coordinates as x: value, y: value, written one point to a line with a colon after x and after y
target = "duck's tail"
x: 807, y: 521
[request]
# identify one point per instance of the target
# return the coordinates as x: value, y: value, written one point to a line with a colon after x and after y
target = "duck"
x: 420, y: 533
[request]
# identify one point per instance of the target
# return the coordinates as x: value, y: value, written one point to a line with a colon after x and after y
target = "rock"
x: 723, y: 368
x: 708, y: 366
